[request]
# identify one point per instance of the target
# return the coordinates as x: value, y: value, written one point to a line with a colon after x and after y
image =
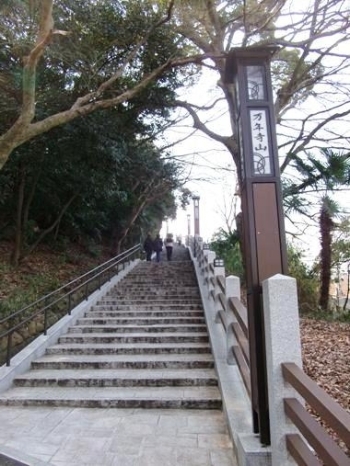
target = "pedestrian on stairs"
x: 169, y: 244
x: 158, y: 247
x: 148, y: 247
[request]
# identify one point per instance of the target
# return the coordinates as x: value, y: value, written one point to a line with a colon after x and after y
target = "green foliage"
x: 307, y: 281
x: 106, y: 162
x: 341, y: 243
x: 324, y: 171
x: 226, y: 246
x: 290, y: 69
x: 31, y: 288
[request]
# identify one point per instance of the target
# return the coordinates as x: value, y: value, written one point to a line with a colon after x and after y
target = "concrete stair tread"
x: 149, y: 313
x: 140, y: 321
x: 58, y: 374
x: 133, y: 339
x: 151, y: 393
x: 176, y: 296
x: 141, y: 327
x: 128, y: 358
x: 150, y: 292
x: 147, y: 307
x: 136, y: 345
x: 135, y: 335
x: 103, y: 349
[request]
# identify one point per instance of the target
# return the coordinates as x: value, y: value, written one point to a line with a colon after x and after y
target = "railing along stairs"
x: 297, y: 437
x: 50, y: 308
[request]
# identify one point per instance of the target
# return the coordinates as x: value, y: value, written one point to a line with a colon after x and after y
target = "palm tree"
x: 327, y: 173
x: 329, y: 209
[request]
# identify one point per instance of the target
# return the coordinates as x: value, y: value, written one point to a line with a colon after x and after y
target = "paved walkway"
x: 116, y: 437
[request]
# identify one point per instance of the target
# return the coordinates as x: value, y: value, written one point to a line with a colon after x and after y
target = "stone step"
x: 140, y: 348
x: 163, y: 301
x: 88, y: 328
x: 144, y: 345
x: 145, y: 314
x: 142, y: 296
x: 159, y: 287
x: 147, y: 307
x: 125, y: 361
x: 172, y: 280
x: 115, y: 397
x: 142, y: 321
x: 118, y: 378
x: 156, y: 276
x: 149, y: 290
x: 134, y: 338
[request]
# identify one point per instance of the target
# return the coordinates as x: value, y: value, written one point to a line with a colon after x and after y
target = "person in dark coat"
x: 158, y: 247
x: 148, y: 247
x: 169, y: 244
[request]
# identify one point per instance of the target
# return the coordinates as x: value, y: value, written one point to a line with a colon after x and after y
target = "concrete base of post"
x: 282, y: 336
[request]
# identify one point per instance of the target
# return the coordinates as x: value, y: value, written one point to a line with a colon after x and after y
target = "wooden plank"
x: 300, y: 451
x: 332, y: 413
x: 240, y: 312
x: 243, y: 368
x: 242, y: 341
x: 325, y: 447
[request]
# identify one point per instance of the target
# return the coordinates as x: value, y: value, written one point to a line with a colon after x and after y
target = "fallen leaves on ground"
x: 326, y: 356
x: 326, y: 359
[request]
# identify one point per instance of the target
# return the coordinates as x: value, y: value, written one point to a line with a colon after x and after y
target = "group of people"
x: 156, y: 245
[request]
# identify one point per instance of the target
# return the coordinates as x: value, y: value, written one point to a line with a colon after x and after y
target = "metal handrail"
x: 73, y: 286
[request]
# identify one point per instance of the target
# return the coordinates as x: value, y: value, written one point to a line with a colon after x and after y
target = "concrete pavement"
x: 115, y: 437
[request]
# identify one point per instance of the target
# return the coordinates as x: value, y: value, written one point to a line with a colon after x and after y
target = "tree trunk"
x: 17, y: 248
x: 48, y: 230
x: 347, y: 292
x: 123, y: 233
x: 326, y: 226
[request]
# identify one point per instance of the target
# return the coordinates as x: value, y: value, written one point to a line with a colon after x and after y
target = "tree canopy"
x: 66, y: 64
x: 108, y: 52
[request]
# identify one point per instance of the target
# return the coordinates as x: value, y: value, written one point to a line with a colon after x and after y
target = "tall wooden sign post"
x: 248, y: 70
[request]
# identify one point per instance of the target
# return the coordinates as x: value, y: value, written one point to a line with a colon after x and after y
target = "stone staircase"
x: 145, y: 345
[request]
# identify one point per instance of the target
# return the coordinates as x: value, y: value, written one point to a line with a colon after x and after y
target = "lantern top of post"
x: 195, y: 197
x: 259, y: 52
x: 219, y: 262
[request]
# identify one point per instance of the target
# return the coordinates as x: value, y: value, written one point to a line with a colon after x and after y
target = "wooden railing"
x: 297, y: 437
x: 330, y: 413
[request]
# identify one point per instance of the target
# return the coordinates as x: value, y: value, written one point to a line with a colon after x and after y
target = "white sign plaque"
x: 260, y: 142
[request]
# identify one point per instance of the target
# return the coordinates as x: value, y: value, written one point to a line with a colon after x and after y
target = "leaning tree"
x: 309, y: 70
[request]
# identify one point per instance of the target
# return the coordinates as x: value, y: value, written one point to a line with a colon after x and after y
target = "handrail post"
x: 219, y: 271
x: 232, y: 290
x: 204, y: 259
x: 45, y: 321
x: 282, y: 336
x: 233, y: 287
x: 198, y: 241
x: 209, y: 272
x: 8, y: 351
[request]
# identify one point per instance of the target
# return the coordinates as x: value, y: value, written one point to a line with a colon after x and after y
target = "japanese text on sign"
x: 260, y: 142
